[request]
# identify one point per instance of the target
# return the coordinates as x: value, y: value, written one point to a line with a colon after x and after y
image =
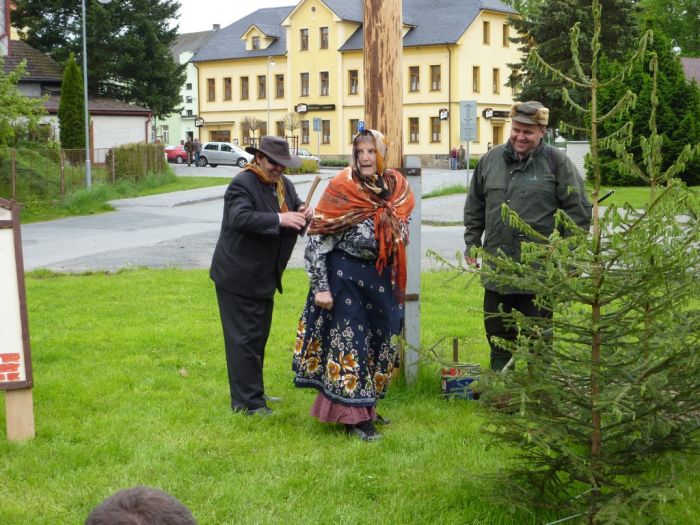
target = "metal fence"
x: 48, y: 175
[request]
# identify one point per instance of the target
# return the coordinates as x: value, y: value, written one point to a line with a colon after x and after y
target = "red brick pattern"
x: 10, y: 367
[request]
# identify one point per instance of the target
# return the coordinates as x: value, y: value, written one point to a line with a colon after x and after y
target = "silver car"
x: 215, y: 153
x: 303, y: 154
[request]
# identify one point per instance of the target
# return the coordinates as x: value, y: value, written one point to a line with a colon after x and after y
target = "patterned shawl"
x: 348, y: 201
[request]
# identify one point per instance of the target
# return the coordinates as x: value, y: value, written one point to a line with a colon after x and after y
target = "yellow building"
x: 297, y: 71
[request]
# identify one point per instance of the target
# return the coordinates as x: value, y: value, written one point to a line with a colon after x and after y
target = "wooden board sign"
x: 15, y: 359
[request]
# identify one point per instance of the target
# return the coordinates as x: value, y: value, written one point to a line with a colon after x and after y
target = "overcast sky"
x: 201, y: 15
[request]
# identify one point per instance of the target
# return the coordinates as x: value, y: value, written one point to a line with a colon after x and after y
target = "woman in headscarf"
x: 356, y: 261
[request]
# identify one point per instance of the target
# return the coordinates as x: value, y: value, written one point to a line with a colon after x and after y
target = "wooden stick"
x: 317, y: 179
x: 312, y: 190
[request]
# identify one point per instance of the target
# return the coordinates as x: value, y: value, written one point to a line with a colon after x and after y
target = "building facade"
x: 180, y: 125
x: 297, y: 71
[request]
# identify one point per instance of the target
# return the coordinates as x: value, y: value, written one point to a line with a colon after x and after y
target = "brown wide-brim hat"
x: 278, y: 150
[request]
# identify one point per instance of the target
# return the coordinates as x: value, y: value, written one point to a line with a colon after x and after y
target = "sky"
x: 201, y: 15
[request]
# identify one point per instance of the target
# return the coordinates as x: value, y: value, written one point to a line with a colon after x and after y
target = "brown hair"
x: 141, y: 506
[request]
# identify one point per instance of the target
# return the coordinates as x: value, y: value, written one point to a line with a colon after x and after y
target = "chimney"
x: 216, y: 27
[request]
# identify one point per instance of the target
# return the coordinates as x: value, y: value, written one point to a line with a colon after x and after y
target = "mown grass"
x: 636, y: 196
x: 131, y: 388
x: 96, y: 199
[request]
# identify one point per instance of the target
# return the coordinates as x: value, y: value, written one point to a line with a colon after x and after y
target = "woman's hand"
x: 323, y: 299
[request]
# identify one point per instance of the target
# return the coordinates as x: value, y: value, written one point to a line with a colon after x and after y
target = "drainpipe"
x: 449, y: 96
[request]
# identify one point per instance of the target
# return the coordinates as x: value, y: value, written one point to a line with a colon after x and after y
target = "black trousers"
x: 502, y: 326
x: 246, y: 322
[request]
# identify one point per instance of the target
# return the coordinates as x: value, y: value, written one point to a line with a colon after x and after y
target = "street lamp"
x: 88, y: 167
x: 270, y: 63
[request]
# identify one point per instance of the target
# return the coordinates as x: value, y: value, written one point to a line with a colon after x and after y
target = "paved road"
x: 180, y: 229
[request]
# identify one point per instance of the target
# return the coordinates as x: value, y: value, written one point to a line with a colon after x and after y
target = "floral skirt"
x: 348, y: 352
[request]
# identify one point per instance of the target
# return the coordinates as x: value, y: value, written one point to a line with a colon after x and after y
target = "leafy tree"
x: 607, y: 391
x: 19, y: 115
x: 546, y: 27
x: 128, y: 46
x: 71, y: 112
x: 680, y: 19
x: 677, y: 111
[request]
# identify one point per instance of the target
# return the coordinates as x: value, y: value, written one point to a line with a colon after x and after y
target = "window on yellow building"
x: 324, y: 83
x: 279, y: 83
x: 304, y: 39
x: 487, y: 33
x: 220, y: 136
x: 256, y: 42
x: 413, y: 78
x: 435, y: 78
x: 353, y: 82
x: 244, y: 88
x: 323, y: 37
x: 280, y: 128
x: 304, y: 87
x: 304, y: 131
x: 354, y: 126
x: 413, y: 130
x: 435, y: 126
x: 476, y: 80
x: 506, y: 35
x: 496, y: 80
x: 262, y: 129
x: 326, y: 131
x: 227, y: 88
x: 262, y: 86
x: 211, y: 89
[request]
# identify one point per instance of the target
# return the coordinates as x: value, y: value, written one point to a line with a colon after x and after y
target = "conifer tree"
x: 71, y: 113
x: 545, y: 25
x: 608, y: 395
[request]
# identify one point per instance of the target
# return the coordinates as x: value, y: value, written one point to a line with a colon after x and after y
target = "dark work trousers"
x: 500, y: 325
x: 246, y: 322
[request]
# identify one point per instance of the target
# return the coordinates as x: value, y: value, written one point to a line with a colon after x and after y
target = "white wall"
x: 577, y: 151
x: 109, y: 131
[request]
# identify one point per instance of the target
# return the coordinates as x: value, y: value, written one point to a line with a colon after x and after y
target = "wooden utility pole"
x: 382, y: 68
x: 383, y: 51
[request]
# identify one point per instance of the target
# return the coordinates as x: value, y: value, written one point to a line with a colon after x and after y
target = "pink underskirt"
x: 329, y: 412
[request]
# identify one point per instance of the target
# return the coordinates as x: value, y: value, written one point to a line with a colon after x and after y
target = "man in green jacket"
x: 535, y: 180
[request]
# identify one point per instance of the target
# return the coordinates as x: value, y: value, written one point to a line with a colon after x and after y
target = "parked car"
x: 303, y: 154
x: 175, y: 153
x: 215, y: 153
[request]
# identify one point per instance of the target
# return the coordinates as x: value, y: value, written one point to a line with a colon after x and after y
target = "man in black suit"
x: 262, y: 218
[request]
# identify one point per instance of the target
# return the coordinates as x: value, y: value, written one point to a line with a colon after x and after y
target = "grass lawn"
x: 95, y: 200
x: 131, y: 388
x: 637, y: 196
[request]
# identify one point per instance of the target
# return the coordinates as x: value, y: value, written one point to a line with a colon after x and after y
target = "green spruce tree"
x: 546, y: 25
x: 71, y: 111
x: 606, y: 398
x: 677, y: 111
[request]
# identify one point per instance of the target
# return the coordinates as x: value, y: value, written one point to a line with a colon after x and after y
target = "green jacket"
x: 534, y: 188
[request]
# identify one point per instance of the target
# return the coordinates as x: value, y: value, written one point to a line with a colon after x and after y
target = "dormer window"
x: 256, y: 42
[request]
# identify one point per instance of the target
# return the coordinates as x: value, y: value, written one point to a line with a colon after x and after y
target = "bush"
x: 133, y: 162
x: 307, y: 166
x: 335, y: 163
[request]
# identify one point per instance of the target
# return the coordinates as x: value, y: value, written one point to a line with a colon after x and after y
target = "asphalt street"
x: 180, y: 229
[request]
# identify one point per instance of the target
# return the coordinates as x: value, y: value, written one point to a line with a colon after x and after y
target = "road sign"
x: 317, y: 124
x: 360, y: 125
x: 467, y: 120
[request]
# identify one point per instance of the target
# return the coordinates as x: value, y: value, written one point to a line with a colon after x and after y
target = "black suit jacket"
x: 253, y: 250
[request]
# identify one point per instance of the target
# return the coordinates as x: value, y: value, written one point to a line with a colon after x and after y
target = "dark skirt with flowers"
x: 348, y: 352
